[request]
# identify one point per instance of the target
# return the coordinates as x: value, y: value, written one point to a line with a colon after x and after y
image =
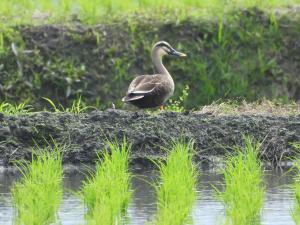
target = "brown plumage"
x: 150, y: 91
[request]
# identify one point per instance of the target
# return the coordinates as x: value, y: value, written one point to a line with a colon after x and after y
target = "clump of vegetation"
x: 106, y: 193
x: 178, y: 105
x: 176, y: 192
x: 14, y: 109
x: 296, y: 186
x: 38, y: 195
x: 296, y: 211
x: 244, y: 190
x: 78, y: 106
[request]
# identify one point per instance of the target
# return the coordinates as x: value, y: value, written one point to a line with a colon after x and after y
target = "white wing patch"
x: 128, y: 99
x: 141, y: 91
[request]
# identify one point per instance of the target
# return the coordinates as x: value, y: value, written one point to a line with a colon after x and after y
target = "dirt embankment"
x: 85, y: 134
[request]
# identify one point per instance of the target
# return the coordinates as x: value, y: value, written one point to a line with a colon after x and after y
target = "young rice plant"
x: 244, y: 189
x: 38, y: 195
x: 106, y: 194
x: 176, y: 193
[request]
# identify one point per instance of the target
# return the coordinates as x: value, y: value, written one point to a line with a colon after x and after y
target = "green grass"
x: 37, y: 196
x: 93, y: 10
x: 14, y: 109
x: 106, y: 194
x: 244, y: 190
x: 77, y: 106
x: 176, y: 191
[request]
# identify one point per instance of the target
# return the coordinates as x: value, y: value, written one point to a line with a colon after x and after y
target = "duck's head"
x: 164, y: 48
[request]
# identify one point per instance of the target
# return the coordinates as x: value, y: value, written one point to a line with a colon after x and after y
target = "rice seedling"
x: 244, y: 190
x: 37, y: 196
x: 106, y: 193
x: 14, y: 109
x: 296, y: 210
x: 176, y: 192
x: 296, y: 187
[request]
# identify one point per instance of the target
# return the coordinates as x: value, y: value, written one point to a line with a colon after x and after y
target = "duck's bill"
x: 176, y: 53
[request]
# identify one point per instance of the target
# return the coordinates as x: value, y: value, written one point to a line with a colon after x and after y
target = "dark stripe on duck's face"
x: 163, y: 44
x: 169, y: 50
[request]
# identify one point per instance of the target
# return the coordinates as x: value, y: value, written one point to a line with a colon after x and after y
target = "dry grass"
x: 263, y: 107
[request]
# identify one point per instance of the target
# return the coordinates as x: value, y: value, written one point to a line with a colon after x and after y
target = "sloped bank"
x: 85, y: 134
x: 249, y: 54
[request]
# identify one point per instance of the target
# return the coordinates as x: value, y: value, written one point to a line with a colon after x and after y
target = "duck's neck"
x: 157, y: 61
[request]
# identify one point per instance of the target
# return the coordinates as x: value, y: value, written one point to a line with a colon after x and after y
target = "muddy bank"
x: 85, y: 134
x: 248, y: 54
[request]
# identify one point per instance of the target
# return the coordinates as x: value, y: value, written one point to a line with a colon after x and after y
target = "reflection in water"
x: 207, y: 211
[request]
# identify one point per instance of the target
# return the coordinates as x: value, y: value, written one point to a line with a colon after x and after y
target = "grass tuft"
x: 14, y: 109
x: 78, y: 106
x: 38, y: 195
x: 106, y: 194
x: 244, y: 189
x: 176, y: 192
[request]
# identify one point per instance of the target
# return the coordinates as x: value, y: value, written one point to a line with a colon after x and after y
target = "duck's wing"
x: 140, y: 86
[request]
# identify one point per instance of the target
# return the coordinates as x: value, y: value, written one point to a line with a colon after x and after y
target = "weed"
x: 38, y: 195
x: 176, y: 192
x: 107, y: 193
x: 14, y: 109
x: 78, y: 106
x: 178, y: 105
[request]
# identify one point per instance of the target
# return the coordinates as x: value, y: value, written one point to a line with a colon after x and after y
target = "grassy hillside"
x: 234, y: 51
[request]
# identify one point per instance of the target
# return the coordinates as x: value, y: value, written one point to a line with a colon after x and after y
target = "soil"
x: 84, y: 135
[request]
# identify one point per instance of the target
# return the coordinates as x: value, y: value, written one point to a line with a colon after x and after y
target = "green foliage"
x: 178, y: 105
x: 106, y: 193
x: 38, y: 195
x: 176, y: 192
x: 244, y: 190
x: 14, y: 109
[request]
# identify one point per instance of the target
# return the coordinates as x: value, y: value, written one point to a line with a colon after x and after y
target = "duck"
x: 151, y: 91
